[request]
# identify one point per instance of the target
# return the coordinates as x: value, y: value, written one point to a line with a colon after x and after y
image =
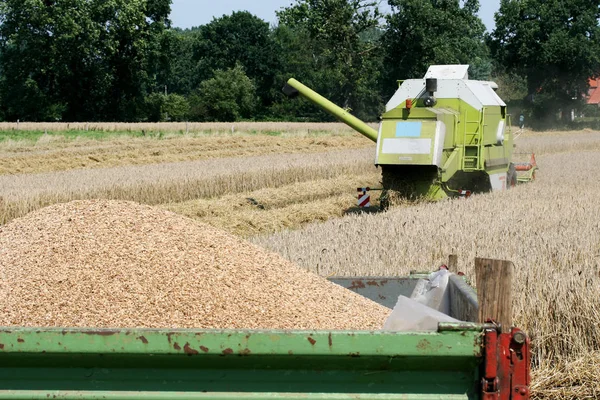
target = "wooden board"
x: 494, y: 284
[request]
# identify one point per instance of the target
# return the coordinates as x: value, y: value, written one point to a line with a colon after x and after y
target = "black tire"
x: 384, y: 201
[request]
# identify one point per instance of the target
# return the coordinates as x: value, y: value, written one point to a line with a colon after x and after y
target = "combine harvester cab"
x: 440, y: 136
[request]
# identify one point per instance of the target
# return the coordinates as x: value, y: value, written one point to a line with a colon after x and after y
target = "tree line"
x: 121, y: 60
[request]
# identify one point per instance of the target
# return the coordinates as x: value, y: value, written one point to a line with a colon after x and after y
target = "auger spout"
x: 293, y: 88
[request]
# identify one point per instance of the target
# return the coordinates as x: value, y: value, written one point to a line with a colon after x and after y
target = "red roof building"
x: 593, y: 95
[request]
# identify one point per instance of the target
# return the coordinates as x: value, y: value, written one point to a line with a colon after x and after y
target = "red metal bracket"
x: 490, y: 382
x: 506, y: 366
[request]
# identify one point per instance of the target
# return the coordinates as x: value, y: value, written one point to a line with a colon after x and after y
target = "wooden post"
x: 494, y: 294
x: 453, y: 263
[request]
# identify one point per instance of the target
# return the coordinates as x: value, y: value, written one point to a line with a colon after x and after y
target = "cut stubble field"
x: 295, y: 194
x: 52, y: 153
x: 171, y: 183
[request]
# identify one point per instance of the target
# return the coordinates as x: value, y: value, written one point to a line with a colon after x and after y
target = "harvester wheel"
x: 511, y: 179
x: 384, y: 201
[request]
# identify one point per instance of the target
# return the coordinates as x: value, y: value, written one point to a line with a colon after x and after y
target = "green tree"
x: 554, y: 44
x: 511, y: 87
x: 182, y: 77
x: 293, y: 46
x: 337, y: 52
x: 171, y: 107
x: 27, y: 83
x: 230, y: 95
x: 421, y: 33
x: 80, y: 59
x: 238, y: 39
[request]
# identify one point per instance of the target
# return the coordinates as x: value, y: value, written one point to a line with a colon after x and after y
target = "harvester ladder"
x: 473, y: 143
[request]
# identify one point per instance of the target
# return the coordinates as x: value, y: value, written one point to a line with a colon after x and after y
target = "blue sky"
x: 188, y: 13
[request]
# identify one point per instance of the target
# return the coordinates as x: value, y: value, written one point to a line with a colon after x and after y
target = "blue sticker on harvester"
x: 408, y: 129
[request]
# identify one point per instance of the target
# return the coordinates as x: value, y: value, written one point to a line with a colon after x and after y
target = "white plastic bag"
x: 410, y: 315
x: 433, y: 293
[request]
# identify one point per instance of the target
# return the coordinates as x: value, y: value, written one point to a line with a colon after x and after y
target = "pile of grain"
x: 120, y: 264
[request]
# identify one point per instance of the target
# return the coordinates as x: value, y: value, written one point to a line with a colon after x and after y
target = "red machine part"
x: 507, y: 365
x: 364, y: 200
x: 526, y: 166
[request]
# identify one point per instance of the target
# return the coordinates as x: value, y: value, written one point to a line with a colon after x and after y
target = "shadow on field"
x: 362, y: 210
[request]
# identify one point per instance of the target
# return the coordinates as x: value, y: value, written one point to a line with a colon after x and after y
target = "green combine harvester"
x: 440, y: 136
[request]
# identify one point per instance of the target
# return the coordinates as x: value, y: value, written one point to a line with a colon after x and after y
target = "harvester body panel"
x: 478, y: 94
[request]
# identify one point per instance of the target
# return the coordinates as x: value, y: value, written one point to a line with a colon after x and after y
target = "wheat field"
x: 554, y: 227
x: 294, y: 193
x: 550, y: 229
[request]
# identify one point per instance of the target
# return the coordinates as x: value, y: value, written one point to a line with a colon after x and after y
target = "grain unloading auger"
x: 440, y: 136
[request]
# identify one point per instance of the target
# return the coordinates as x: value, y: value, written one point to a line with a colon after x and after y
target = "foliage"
x: 110, y: 60
x: 293, y: 46
x: 555, y: 44
x: 425, y: 32
x: 80, y: 59
x: 344, y: 62
x: 229, y: 96
x: 171, y: 107
x: 182, y: 78
x: 591, y: 111
x: 511, y: 87
x: 238, y: 39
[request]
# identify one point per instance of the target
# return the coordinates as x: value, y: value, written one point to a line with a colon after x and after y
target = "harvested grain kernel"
x: 101, y: 263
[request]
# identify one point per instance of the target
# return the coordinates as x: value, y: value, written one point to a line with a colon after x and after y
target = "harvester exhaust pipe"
x: 431, y: 85
x: 293, y: 88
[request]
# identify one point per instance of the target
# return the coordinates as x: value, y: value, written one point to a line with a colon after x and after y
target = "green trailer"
x: 458, y: 361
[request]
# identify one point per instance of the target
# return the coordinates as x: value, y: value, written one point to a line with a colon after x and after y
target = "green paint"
x: 201, y: 364
x: 465, y: 160
x: 78, y: 395
x: 470, y: 140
